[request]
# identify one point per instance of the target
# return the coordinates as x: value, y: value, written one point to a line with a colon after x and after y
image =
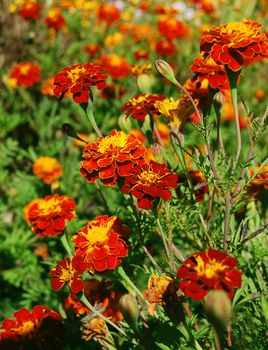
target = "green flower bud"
x: 129, y: 307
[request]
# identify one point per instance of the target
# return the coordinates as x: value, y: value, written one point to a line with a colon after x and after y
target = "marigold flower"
x: 78, y: 79
x: 111, y: 157
x: 165, y: 47
x: 48, y: 169
x: 102, y: 243
x: 149, y: 182
x: 260, y: 182
x: 137, y: 69
x: 208, y: 69
x: 235, y: 43
x: 172, y: 28
x: 141, y: 105
x: 55, y: 19
x: 113, y: 40
x: 164, y: 133
x: 47, y: 87
x: 26, y: 74
x: 199, y: 183
x: 157, y: 287
x: 30, y: 10
x: 70, y: 272
x: 95, y: 328
x: 27, y: 324
x: 143, y: 32
x: 48, y: 215
x: 92, y: 49
x: 141, y: 54
x: 117, y: 67
x: 210, y: 269
x: 73, y: 302
x: 108, y: 13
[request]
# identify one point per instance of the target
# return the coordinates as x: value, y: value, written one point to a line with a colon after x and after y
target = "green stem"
x: 89, y: 113
x: 66, y: 245
x: 96, y: 312
x: 130, y: 286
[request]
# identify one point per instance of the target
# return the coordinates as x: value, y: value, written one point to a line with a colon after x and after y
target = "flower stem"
x: 66, y: 245
x: 128, y: 283
x: 89, y: 113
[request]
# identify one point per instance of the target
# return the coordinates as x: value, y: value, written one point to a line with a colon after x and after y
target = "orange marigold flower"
x: 48, y: 169
x: 235, y: 43
x: 73, y: 302
x: 70, y: 272
x: 78, y: 79
x: 137, y: 69
x: 47, y: 87
x: 210, y: 269
x: 141, y: 105
x: 141, y: 54
x: 199, y: 183
x: 55, y: 19
x: 214, y: 73
x: 102, y: 243
x: 48, y: 215
x: 172, y: 28
x: 111, y: 157
x: 95, y: 328
x: 26, y: 74
x: 165, y: 47
x: 150, y: 182
x: 117, y: 67
x: 30, y: 10
x: 157, y: 287
x: 92, y: 49
x: 28, y: 325
x: 108, y: 13
x: 164, y: 133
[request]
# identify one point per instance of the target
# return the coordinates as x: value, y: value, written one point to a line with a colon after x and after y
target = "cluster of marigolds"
x: 122, y: 160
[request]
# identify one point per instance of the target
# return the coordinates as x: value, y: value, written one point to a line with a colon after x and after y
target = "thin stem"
x: 237, y: 126
x: 255, y: 233
x: 177, y: 252
x: 107, y: 210
x: 128, y: 281
x: 66, y: 245
x: 100, y: 315
x: 226, y: 223
x: 89, y: 113
x: 158, y: 136
x: 162, y: 235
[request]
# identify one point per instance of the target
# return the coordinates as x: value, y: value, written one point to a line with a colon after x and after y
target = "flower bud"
x: 219, y: 99
x: 165, y: 69
x: 129, y: 307
x: 144, y: 82
x: 218, y: 307
x: 125, y: 123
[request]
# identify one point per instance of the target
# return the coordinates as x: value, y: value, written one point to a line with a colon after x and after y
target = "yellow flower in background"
x: 113, y: 40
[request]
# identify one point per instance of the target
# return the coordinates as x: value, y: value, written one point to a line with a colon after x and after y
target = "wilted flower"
x: 149, y: 182
x: 111, y: 157
x: 68, y: 271
x: 95, y: 328
x: 235, y: 43
x: 172, y: 28
x: 48, y: 215
x: 78, y: 79
x: 210, y: 269
x: 141, y: 105
x: 48, y: 169
x: 102, y: 243
x: 25, y: 74
x: 30, y: 10
x: 55, y: 19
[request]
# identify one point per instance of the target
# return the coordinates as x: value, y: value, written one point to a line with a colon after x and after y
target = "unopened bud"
x: 218, y: 307
x: 129, y: 307
x: 157, y: 151
x: 219, y: 99
x: 165, y: 69
x: 124, y: 123
x: 144, y: 82
x: 69, y: 130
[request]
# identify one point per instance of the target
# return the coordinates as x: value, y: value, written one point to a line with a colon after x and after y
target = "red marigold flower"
x: 235, y: 43
x: 117, y: 67
x: 110, y: 92
x: 108, y: 13
x: 30, y: 10
x: 149, y: 182
x: 25, y: 74
x: 111, y: 157
x: 92, y: 49
x: 78, y: 79
x: 259, y: 184
x: 70, y: 272
x: 141, y: 54
x: 139, y: 69
x: 55, y: 19
x: 48, y: 215
x: 210, y: 269
x: 102, y: 243
x: 48, y: 169
x: 208, y: 69
x: 141, y: 105
x: 165, y: 47
x: 172, y: 28
x: 27, y: 324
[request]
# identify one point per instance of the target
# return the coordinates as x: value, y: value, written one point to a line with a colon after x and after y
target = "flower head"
x: 102, y: 243
x: 259, y: 184
x: 55, y: 19
x: 172, y: 28
x: 165, y: 47
x: 111, y: 157
x: 48, y: 169
x: 141, y: 105
x: 48, y: 215
x: 68, y: 271
x: 25, y: 74
x: 30, y: 10
x: 47, y: 87
x: 210, y: 269
x: 27, y: 324
x: 117, y: 67
x: 141, y: 54
x: 108, y: 13
x: 235, y: 43
x: 92, y: 49
x: 137, y: 69
x: 78, y: 79
x: 149, y: 182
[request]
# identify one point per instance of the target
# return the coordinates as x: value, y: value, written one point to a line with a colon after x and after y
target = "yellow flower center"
x: 26, y: 328
x: 236, y: 27
x: 46, y: 164
x: 67, y: 274
x: 148, y: 178
x: 166, y: 106
x: 139, y: 100
x: 25, y: 69
x: 75, y: 73
x: 47, y: 207
x: 118, y: 140
x: 115, y: 60
x: 209, y: 269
